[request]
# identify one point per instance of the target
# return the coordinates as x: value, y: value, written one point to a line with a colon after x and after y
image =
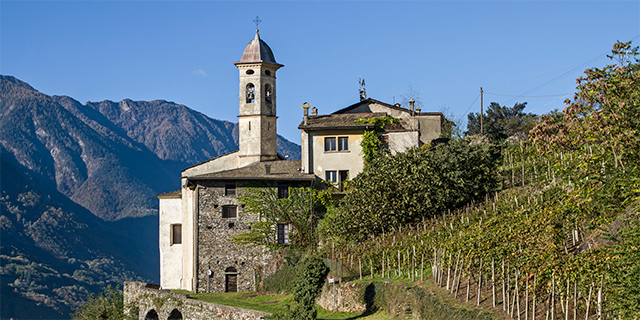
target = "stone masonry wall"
x: 217, y: 253
x: 143, y: 299
x: 349, y: 297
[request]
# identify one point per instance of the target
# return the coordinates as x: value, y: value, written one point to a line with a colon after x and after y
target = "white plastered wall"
x: 401, y: 141
x: 227, y: 162
x: 170, y: 254
x: 337, y: 160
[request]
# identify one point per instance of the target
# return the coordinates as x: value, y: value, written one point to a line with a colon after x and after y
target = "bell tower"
x: 257, y: 95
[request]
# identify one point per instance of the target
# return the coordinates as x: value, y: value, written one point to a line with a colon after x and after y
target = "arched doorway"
x: 151, y: 315
x: 231, y: 280
x: 175, y: 315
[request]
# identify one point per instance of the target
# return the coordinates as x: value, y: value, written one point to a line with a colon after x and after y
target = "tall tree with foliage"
x: 300, y: 209
x: 604, y: 110
x: 501, y: 122
x: 108, y: 305
x: 601, y: 127
x: 407, y: 187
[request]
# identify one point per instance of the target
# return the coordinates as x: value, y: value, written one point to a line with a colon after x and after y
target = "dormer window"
x: 251, y: 93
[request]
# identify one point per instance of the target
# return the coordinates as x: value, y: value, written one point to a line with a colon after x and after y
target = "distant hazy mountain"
x: 77, y: 186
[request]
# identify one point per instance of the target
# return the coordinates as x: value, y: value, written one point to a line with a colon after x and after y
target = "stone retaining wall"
x: 349, y: 297
x: 148, y: 301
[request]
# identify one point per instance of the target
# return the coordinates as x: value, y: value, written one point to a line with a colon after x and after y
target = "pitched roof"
x: 280, y: 170
x: 170, y: 195
x: 280, y: 157
x: 371, y: 100
x: 367, y: 101
x: 340, y: 121
x: 345, y: 118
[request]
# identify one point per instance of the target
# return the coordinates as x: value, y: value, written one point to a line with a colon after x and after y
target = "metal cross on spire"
x: 257, y: 22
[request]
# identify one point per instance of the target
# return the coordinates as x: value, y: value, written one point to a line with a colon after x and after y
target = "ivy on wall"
x: 372, y: 145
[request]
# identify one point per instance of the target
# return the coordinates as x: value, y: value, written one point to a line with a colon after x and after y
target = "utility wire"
x: 563, y: 75
x: 547, y: 96
x: 471, y: 105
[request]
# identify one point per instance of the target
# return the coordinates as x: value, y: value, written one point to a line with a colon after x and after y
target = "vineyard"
x: 559, y: 235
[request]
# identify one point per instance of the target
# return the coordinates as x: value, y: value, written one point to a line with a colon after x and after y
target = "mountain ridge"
x: 78, y: 184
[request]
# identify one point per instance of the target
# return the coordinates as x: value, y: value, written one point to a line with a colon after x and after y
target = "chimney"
x: 267, y: 169
x: 418, y: 110
x: 314, y: 111
x: 305, y: 107
x: 411, y: 105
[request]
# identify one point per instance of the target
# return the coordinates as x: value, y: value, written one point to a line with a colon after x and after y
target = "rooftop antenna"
x: 257, y: 22
x: 362, y: 89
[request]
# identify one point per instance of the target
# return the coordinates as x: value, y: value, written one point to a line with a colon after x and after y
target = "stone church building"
x: 198, y: 221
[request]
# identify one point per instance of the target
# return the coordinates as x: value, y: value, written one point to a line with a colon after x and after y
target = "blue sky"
x: 183, y: 51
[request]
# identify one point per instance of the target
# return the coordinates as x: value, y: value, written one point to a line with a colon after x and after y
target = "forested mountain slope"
x: 77, y: 187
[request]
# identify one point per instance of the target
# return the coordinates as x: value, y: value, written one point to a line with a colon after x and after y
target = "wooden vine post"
x: 503, y: 288
x: 479, y: 282
x: 493, y: 283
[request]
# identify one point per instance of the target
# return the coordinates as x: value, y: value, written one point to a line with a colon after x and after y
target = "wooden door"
x: 231, y: 283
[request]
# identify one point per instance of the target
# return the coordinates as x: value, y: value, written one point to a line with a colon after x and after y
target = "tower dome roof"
x: 257, y: 51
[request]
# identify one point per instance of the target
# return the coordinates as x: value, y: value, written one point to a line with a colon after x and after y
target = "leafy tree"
x: 604, y: 110
x: 451, y: 128
x: 409, y: 186
x: 501, y: 122
x: 109, y: 305
x: 599, y: 129
x: 300, y: 209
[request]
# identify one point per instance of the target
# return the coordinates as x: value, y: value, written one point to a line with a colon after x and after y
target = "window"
x: 331, y: 175
x: 251, y: 93
x: 283, y: 191
x: 267, y: 93
x: 230, y: 189
x: 176, y: 234
x: 229, y: 211
x: 329, y: 144
x: 343, y: 143
x: 283, y: 233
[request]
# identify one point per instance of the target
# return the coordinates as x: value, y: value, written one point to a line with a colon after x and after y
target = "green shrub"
x: 280, y: 281
x: 308, y: 283
x: 109, y: 305
x: 401, y: 299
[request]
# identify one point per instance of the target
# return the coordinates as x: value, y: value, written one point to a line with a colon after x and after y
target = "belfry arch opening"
x: 268, y: 93
x: 251, y: 93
